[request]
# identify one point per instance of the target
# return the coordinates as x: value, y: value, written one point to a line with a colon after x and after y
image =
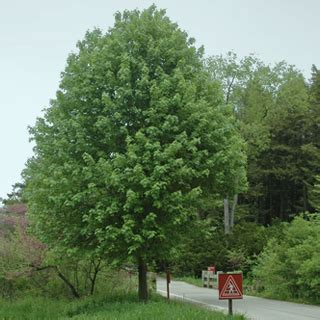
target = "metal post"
x: 230, y: 307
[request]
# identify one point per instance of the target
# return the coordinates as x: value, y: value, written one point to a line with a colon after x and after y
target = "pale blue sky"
x: 36, y: 37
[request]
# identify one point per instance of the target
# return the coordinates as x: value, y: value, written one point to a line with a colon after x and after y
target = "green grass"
x: 192, y: 280
x: 117, y: 307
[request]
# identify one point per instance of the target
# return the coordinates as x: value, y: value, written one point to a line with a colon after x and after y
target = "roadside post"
x: 168, y: 284
x: 230, y: 287
x: 208, y: 277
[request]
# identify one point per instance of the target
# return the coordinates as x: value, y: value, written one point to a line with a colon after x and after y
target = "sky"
x: 37, y: 36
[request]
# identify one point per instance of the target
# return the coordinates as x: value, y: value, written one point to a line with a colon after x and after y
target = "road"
x: 253, y: 307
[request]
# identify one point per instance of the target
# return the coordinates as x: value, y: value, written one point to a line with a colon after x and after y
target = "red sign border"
x: 222, y: 280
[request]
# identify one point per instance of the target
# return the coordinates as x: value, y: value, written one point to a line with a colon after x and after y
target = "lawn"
x: 120, y: 307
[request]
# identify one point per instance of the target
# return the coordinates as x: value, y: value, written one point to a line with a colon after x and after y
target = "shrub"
x: 288, y: 267
x: 207, y: 244
x: 28, y: 266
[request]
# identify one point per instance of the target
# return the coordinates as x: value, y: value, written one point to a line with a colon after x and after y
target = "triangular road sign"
x: 230, y: 289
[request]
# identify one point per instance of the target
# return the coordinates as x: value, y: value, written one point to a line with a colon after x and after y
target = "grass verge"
x: 192, y: 280
x: 119, y: 307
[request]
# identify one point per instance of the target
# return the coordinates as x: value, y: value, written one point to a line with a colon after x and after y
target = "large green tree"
x: 134, y: 140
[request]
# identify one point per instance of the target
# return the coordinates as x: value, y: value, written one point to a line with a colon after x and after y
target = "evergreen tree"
x: 279, y: 119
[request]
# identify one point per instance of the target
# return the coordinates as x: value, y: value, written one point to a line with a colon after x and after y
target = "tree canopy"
x: 278, y: 115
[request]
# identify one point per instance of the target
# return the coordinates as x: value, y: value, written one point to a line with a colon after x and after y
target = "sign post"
x: 230, y: 287
x: 230, y: 311
x: 168, y: 284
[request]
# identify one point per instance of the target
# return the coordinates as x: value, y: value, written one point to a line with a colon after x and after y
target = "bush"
x: 207, y: 244
x: 200, y: 247
x: 289, y: 267
x: 27, y: 266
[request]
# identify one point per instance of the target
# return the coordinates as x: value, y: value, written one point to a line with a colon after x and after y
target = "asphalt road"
x: 253, y: 307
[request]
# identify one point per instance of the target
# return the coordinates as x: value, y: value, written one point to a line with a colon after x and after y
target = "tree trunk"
x: 62, y: 277
x: 69, y: 284
x: 229, y: 213
x: 233, y: 210
x: 94, y: 278
x: 143, y: 287
x: 226, y: 216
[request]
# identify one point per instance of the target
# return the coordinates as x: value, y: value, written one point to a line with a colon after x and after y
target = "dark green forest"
x: 156, y: 157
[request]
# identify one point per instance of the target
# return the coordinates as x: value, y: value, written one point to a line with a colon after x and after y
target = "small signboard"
x: 230, y: 286
x: 212, y: 268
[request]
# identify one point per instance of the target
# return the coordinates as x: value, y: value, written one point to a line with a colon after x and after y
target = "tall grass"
x: 189, y: 279
x: 115, y: 307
